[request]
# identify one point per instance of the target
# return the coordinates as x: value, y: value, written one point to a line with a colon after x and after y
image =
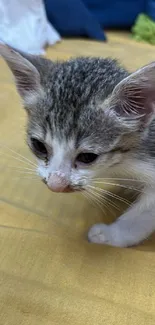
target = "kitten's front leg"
x: 135, y: 225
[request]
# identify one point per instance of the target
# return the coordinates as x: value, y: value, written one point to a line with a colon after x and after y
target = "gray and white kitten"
x: 90, y: 118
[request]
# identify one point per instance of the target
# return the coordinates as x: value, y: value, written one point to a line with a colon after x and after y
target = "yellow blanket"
x: 49, y: 274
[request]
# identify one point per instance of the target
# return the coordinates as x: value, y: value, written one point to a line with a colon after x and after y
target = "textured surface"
x: 49, y: 274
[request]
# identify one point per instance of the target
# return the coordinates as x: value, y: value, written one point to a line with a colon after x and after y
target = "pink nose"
x: 58, y: 183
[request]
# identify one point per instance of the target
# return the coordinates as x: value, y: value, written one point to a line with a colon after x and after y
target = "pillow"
x: 72, y: 18
x: 150, y: 10
x: 116, y: 13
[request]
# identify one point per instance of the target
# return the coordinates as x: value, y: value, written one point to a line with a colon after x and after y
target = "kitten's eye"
x: 86, y: 157
x: 39, y: 147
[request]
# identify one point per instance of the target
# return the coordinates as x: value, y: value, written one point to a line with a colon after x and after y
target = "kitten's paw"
x: 106, y: 234
x: 99, y: 234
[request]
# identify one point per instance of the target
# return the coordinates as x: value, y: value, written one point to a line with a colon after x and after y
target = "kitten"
x: 88, y: 118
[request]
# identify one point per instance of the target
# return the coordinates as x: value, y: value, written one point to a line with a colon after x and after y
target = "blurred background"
x: 31, y: 25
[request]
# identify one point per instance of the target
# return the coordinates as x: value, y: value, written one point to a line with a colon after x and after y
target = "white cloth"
x: 24, y: 26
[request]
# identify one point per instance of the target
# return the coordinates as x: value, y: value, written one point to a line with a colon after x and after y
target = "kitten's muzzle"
x: 58, y: 183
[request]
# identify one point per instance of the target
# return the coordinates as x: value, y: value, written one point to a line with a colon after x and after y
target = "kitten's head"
x: 85, y: 116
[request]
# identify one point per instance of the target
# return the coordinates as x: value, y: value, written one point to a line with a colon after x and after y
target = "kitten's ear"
x: 27, y: 77
x: 135, y: 95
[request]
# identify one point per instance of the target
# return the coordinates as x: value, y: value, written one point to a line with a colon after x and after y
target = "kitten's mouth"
x: 67, y: 189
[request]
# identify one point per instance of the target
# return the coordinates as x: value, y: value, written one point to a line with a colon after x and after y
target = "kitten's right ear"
x: 134, y: 96
x: 26, y: 75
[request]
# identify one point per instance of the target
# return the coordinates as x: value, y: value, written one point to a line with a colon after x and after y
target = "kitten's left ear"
x: 134, y: 96
x: 27, y: 76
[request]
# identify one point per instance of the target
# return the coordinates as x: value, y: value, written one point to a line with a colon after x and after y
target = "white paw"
x: 106, y: 234
x: 99, y: 234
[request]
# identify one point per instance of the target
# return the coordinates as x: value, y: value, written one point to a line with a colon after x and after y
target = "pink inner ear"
x: 134, y: 100
x: 26, y: 83
x: 135, y: 95
x: 26, y: 75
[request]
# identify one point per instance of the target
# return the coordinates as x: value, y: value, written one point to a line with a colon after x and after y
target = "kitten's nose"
x: 58, y: 183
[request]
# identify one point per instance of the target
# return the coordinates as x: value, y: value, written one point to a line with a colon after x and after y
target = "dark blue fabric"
x: 89, y: 17
x: 116, y: 13
x: 151, y: 8
x: 72, y: 18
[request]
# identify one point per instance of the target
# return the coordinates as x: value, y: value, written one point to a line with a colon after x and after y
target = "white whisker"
x: 84, y: 193
x: 96, y: 200
x: 26, y: 172
x: 20, y: 168
x: 120, y: 185
x: 19, y: 155
x: 104, y: 200
x: 118, y: 179
x: 113, y: 195
x: 15, y: 158
x: 108, y: 200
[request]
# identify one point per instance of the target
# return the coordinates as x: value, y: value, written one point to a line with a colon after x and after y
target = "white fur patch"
x: 62, y: 161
